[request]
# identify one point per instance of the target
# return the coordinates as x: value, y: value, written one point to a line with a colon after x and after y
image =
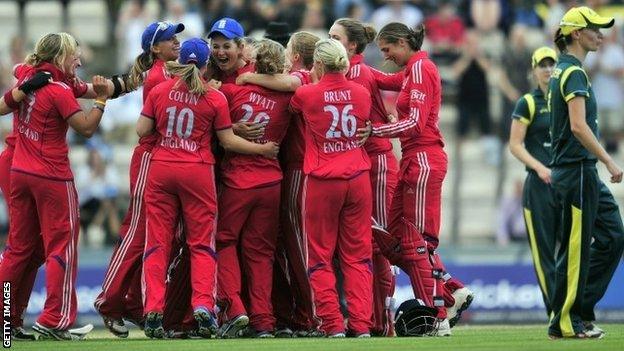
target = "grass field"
x: 505, y: 338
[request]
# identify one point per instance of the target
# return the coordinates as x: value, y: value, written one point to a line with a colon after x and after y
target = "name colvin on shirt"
x: 184, y: 97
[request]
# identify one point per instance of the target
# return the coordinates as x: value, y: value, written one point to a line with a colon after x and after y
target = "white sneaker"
x: 444, y: 328
x: 337, y: 336
x: 463, y: 298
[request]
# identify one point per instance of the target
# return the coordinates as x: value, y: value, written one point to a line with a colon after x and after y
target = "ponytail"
x: 562, y: 41
x: 332, y: 54
x: 357, y: 32
x: 142, y: 64
x: 392, y: 32
x: 189, y: 74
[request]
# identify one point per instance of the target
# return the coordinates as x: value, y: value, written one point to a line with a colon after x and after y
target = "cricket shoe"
x: 207, y: 324
x: 284, y: 333
x: 339, y: 335
x: 444, y: 328
x: 46, y: 333
x: 116, y: 326
x: 153, y: 326
x: 233, y: 327
x: 593, y: 331
x: 312, y: 333
x: 463, y: 298
x: 20, y: 334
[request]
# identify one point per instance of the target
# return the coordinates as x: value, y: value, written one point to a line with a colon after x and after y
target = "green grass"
x: 500, y: 338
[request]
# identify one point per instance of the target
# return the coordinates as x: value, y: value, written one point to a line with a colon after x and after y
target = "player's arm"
x: 11, y: 99
x: 115, y: 86
x: 388, y: 81
x: 516, y: 146
x: 232, y: 142
x: 145, y: 126
x: 278, y: 82
x: 86, y: 124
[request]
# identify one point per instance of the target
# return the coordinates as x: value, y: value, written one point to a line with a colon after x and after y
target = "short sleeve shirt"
x: 532, y: 110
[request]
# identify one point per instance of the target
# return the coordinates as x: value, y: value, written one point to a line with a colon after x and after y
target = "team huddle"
x: 262, y: 168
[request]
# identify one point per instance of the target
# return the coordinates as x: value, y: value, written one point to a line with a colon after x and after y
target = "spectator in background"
x: 473, y: 95
x: 606, y: 67
x: 279, y: 32
x: 445, y: 32
x: 292, y: 12
x: 97, y: 188
x: 178, y: 12
x: 397, y: 11
x: 314, y: 19
x: 132, y: 20
x: 524, y: 13
x: 349, y: 8
x: 556, y: 9
x: 510, y: 226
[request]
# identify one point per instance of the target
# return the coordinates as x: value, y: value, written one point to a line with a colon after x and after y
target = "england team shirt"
x: 41, y: 130
x: 333, y: 110
x: 155, y: 75
x: 537, y: 119
x: 252, y: 103
x: 231, y: 78
x: 293, y: 146
x: 185, y: 122
x: 568, y: 81
x: 360, y: 73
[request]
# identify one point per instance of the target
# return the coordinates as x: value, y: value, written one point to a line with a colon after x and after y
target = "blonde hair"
x: 269, y: 57
x: 54, y: 48
x: 190, y: 75
x: 142, y: 64
x: 303, y: 43
x: 332, y: 54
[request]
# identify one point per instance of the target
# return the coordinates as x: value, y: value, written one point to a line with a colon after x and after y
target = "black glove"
x: 40, y: 79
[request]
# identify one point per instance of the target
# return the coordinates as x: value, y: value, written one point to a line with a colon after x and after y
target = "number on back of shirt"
x: 182, y: 122
x: 342, y: 122
x: 260, y: 118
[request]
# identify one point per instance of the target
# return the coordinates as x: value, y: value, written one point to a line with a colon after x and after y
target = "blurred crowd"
x: 482, y: 47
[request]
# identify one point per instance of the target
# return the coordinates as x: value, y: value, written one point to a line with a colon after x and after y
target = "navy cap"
x: 159, y: 31
x: 227, y: 27
x: 194, y: 50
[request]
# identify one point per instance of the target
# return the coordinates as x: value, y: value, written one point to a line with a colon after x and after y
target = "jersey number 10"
x: 348, y: 123
x: 185, y: 115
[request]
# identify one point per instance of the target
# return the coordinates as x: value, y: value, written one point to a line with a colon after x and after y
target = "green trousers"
x: 541, y: 223
x: 591, y: 238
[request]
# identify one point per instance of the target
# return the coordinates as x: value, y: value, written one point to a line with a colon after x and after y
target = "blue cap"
x: 159, y: 31
x: 194, y: 50
x: 227, y: 27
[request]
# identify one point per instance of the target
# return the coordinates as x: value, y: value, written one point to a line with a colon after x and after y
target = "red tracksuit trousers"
x: 44, y: 210
x: 173, y: 189
x: 248, y: 225
x: 336, y: 219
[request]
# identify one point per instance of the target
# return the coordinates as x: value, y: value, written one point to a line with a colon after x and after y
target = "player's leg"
x: 322, y: 202
x: 355, y: 252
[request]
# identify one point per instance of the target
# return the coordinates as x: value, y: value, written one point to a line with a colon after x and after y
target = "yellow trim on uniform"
x: 569, y: 97
x: 564, y: 77
x: 524, y: 120
x: 531, y: 105
x: 574, y: 267
x: 534, y: 251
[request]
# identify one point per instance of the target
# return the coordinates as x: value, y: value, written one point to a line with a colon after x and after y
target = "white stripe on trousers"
x: 421, y: 191
x: 381, y: 215
x: 68, y: 283
x: 136, y: 212
x: 295, y: 213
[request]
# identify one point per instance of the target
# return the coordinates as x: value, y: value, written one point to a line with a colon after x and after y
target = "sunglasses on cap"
x: 162, y: 26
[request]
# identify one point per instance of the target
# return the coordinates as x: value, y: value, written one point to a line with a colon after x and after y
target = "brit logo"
x: 417, y: 95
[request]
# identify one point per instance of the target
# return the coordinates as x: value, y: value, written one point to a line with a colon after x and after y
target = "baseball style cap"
x: 228, y: 27
x: 194, y: 50
x: 583, y: 17
x: 159, y: 31
x: 541, y: 53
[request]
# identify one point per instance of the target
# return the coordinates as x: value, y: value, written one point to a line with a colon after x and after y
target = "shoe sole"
x: 236, y: 326
x: 110, y: 328
x: 461, y: 309
x: 158, y: 332
x: 205, y: 332
x: 47, y: 334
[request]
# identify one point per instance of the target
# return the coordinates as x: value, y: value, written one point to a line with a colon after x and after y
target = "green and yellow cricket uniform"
x: 537, y: 198
x: 590, y: 234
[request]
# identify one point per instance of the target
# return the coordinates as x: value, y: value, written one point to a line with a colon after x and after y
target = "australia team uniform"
x: 337, y: 200
x: 249, y: 204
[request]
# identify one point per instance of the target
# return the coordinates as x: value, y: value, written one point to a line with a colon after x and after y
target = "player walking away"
x: 337, y: 199
x: 184, y: 112
x: 121, y: 289
x: 249, y: 202
x: 354, y: 36
x: 591, y: 232
x: 415, y: 210
x: 292, y: 300
x: 529, y: 142
x: 42, y: 181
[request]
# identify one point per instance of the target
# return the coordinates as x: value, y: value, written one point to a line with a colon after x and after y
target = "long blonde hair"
x: 190, y: 75
x: 332, y: 54
x: 54, y: 48
x: 142, y: 64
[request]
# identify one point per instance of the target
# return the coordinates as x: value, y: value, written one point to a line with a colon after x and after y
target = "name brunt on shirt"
x: 185, y: 121
x: 332, y: 111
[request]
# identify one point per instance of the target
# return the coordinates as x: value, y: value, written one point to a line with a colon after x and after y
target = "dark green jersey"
x: 532, y: 110
x: 568, y: 81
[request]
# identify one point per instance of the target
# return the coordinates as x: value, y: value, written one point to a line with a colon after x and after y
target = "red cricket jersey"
x: 41, y: 128
x: 418, y: 105
x: 231, y: 78
x: 185, y: 122
x: 154, y: 76
x: 333, y: 110
x: 293, y: 147
x: 252, y: 103
x: 360, y: 73
x: 23, y: 72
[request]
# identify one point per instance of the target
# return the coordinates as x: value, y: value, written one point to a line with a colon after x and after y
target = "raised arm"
x: 279, y: 82
x: 11, y: 99
x: 86, y: 124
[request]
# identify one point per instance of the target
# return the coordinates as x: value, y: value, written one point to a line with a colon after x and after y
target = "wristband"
x: 101, y: 102
x: 117, y: 86
x: 9, y: 101
x: 98, y: 107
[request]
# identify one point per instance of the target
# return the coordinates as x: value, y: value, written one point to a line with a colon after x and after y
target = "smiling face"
x: 226, y: 53
x: 398, y: 52
x: 71, y: 63
x: 167, y: 50
x: 339, y: 33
